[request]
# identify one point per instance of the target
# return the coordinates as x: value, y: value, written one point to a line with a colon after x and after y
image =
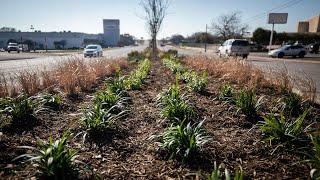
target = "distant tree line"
x: 262, y: 36
x: 225, y: 26
x: 8, y: 29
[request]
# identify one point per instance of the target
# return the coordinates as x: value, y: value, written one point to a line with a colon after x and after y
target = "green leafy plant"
x: 217, y: 175
x: 50, y: 100
x: 183, y: 141
x: 226, y: 92
x: 53, y: 159
x: 313, y: 157
x: 175, y: 106
x: 197, y: 83
x: 108, y: 99
x: 22, y: 107
x: 247, y: 103
x: 117, y: 86
x: 99, y: 120
x: 174, y: 65
x: 137, y: 76
x: 278, y: 129
x: 292, y: 102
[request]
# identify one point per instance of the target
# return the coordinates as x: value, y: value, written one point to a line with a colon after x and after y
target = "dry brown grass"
x: 232, y: 70
x: 245, y: 74
x: 74, y: 74
x: 71, y: 74
x: 8, y: 85
x: 29, y: 82
x: 48, y: 80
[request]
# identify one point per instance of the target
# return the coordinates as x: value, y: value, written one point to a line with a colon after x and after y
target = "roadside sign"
x: 277, y: 18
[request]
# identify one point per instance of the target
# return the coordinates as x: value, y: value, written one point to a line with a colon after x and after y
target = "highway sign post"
x: 276, y: 18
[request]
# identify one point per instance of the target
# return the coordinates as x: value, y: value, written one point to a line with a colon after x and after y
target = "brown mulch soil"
x: 128, y: 153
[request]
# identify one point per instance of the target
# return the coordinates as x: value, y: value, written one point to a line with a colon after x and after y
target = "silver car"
x: 93, y: 50
x: 289, y: 50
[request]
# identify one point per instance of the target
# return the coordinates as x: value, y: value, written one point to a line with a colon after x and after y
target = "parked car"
x: 93, y: 50
x: 2, y: 50
x: 289, y: 50
x: 234, y: 47
x: 13, y: 47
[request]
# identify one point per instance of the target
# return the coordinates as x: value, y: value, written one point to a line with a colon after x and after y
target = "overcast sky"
x: 185, y: 16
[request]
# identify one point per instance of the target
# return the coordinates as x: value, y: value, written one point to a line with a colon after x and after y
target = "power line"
x: 286, y: 5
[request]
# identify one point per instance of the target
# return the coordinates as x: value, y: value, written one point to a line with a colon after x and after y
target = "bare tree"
x: 155, y: 12
x: 229, y: 26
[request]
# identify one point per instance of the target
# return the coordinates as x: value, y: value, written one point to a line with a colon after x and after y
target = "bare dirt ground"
x: 128, y: 153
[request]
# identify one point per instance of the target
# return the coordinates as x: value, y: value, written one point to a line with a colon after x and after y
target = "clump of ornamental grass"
x: 183, y: 141
x: 109, y: 99
x: 174, y: 65
x: 51, y: 101
x: 313, y: 157
x: 197, y: 83
x: 217, y: 175
x: 136, y: 56
x: 175, y: 106
x: 99, y: 120
x: 53, y: 159
x: 117, y: 86
x: 235, y: 71
x: 21, y: 107
x: 281, y: 130
x: 169, y: 54
x: 226, y: 92
x: 48, y: 80
x: 291, y: 103
x: 29, y: 82
x: 247, y: 103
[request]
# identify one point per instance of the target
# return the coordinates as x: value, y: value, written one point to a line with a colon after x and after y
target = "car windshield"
x: 91, y: 47
x: 285, y: 46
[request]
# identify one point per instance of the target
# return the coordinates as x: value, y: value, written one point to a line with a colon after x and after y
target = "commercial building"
x: 111, y: 31
x: 311, y: 25
x: 66, y: 39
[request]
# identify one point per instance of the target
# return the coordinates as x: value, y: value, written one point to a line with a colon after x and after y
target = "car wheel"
x: 219, y: 54
x: 8, y: 51
x: 18, y: 51
x: 280, y: 55
x: 245, y: 56
x: 301, y: 54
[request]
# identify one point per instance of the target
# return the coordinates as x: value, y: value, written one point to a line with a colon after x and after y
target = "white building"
x: 49, y: 40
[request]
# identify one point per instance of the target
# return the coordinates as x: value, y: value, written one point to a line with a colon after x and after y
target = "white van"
x: 234, y: 47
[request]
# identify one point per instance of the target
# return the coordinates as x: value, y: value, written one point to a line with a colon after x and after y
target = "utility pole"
x: 205, y: 40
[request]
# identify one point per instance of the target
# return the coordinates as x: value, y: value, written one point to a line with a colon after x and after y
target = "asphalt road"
x: 310, y: 65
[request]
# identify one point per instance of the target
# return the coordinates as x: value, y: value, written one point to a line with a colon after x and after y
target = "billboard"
x: 277, y: 18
